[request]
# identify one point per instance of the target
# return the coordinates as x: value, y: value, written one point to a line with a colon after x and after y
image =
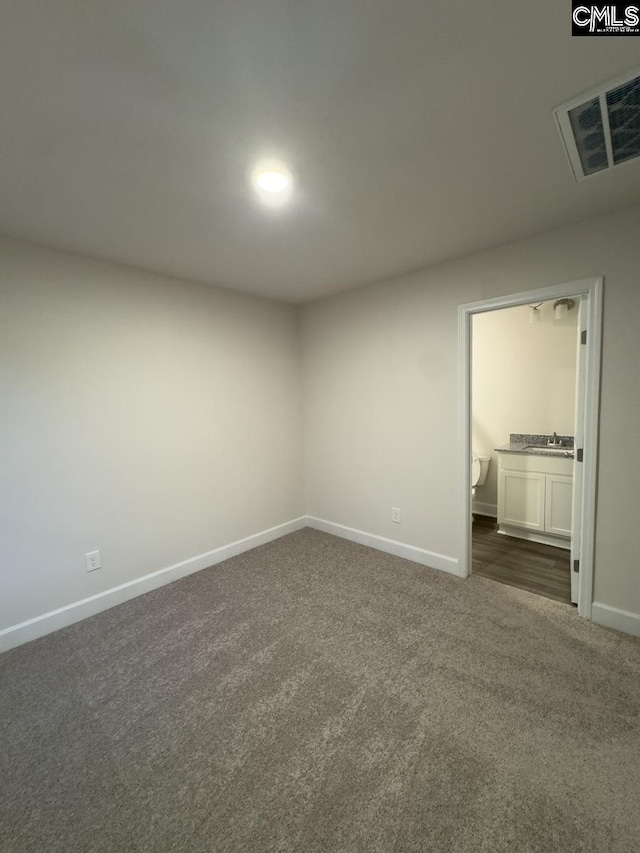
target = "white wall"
x: 379, y: 382
x: 523, y: 380
x: 157, y: 419
x: 151, y: 418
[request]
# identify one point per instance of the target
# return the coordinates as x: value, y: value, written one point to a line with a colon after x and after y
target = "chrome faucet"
x: 555, y: 442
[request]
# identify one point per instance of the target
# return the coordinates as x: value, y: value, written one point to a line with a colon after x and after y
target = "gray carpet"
x: 316, y: 695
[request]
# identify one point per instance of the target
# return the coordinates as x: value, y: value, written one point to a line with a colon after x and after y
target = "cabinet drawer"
x: 539, y: 464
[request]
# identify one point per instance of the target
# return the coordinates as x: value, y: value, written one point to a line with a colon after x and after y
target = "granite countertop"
x: 532, y: 444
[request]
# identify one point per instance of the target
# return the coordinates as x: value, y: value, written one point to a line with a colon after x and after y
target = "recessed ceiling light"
x: 272, y: 183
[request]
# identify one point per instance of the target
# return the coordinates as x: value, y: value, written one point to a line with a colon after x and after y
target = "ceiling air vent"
x: 601, y: 130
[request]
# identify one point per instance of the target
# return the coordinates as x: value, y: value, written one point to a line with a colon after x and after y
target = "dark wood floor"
x: 542, y: 569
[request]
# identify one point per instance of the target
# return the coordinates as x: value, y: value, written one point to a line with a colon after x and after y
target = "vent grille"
x: 601, y: 130
x: 588, y: 132
x: 623, y: 107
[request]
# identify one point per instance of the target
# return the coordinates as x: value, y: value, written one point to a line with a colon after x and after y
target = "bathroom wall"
x: 523, y: 380
x: 148, y: 417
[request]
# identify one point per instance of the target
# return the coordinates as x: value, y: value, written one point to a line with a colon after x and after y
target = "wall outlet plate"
x: 395, y: 514
x: 92, y: 561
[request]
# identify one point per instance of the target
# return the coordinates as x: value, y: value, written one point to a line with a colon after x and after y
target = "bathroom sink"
x: 543, y: 448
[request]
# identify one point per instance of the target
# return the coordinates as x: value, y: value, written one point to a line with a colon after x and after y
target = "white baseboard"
x: 612, y: 617
x: 23, y: 632
x: 39, y: 626
x: 390, y: 546
x: 535, y: 536
x: 480, y: 508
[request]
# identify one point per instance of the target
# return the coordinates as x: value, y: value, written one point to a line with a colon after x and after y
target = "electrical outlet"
x: 395, y: 514
x: 92, y: 561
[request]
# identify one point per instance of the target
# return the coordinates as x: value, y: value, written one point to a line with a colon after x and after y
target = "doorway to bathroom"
x: 529, y: 384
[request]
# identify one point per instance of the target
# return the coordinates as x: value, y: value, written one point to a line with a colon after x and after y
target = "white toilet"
x: 479, y: 470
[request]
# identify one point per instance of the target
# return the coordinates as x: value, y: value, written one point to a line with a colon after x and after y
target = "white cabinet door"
x: 558, y: 504
x: 521, y: 499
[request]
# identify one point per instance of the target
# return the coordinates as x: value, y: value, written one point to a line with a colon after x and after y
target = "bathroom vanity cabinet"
x: 535, y: 497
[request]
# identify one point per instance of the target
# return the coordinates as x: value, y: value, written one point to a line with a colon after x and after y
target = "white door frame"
x: 591, y: 291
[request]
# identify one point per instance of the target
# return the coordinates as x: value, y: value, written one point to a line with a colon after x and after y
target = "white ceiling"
x: 418, y: 131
